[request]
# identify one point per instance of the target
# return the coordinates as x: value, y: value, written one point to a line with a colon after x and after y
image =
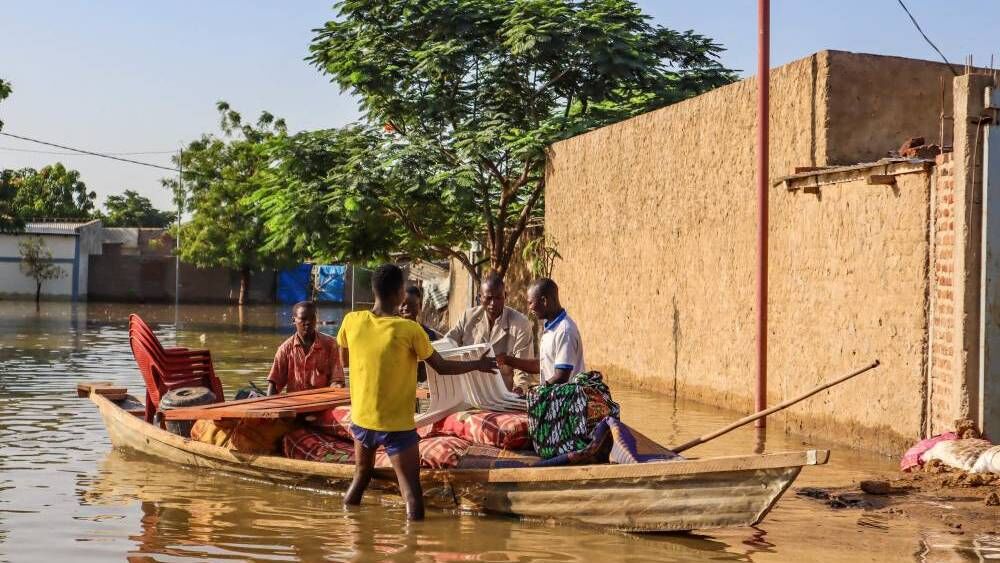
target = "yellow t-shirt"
x: 383, y: 354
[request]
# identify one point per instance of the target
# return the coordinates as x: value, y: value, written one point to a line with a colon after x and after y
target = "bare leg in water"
x: 407, y: 466
x: 363, y: 465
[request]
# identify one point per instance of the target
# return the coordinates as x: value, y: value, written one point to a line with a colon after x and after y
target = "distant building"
x: 71, y: 245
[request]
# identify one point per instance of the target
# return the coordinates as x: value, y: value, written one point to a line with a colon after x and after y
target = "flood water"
x: 66, y: 495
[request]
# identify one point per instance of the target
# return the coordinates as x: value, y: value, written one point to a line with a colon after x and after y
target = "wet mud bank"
x: 935, y: 495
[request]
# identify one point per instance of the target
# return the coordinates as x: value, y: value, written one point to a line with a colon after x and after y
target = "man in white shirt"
x: 560, y: 348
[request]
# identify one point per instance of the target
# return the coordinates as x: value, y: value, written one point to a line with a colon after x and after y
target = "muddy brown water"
x: 66, y: 495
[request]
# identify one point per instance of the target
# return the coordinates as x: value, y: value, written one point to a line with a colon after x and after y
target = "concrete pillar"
x: 969, y: 97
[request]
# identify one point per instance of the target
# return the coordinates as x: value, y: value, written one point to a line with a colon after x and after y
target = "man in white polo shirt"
x: 560, y: 347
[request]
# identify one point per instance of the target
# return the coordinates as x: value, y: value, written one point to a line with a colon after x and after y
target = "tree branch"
x: 492, y: 168
x: 443, y: 251
x: 519, y: 226
x: 549, y: 83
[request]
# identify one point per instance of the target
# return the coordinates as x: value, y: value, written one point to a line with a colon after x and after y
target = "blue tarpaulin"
x: 330, y: 283
x: 293, y: 284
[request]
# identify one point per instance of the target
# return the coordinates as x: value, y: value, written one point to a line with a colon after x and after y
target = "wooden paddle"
x: 748, y: 419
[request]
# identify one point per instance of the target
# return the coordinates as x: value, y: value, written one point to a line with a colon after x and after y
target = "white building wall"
x: 13, y: 283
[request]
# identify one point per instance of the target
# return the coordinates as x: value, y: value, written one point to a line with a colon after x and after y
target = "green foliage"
x: 36, y: 263
x: 54, y: 192
x: 327, y: 197
x: 5, y: 91
x: 540, y: 254
x: 10, y: 220
x: 226, y: 228
x: 133, y: 210
x: 474, y: 91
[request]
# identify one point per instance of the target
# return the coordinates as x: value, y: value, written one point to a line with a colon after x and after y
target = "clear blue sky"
x: 122, y: 76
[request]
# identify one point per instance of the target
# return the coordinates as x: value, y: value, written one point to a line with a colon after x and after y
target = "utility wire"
x: 92, y: 153
x: 928, y: 39
x: 12, y: 149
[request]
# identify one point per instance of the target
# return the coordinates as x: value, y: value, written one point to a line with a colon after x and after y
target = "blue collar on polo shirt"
x: 551, y: 324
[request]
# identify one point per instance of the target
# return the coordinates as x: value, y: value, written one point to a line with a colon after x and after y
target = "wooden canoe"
x: 664, y: 496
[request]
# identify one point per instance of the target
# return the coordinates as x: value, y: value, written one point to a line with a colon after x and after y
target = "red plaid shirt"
x: 296, y: 370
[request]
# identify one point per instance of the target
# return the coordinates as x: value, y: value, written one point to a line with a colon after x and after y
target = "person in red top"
x: 309, y: 359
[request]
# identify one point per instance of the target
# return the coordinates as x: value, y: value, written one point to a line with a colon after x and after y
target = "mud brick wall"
x: 655, y: 218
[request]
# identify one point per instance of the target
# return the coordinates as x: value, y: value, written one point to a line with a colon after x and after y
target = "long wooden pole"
x: 772, y: 410
x: 763, y: 105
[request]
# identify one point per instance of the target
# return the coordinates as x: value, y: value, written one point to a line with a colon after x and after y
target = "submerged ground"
x: 65, y: 494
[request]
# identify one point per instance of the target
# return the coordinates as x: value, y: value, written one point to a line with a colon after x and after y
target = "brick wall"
x: 945, y: 381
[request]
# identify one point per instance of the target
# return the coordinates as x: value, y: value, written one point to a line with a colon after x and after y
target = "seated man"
x: 506, y: 330
x: 308, y: 359
x: 560, y: 348
x: 410, y: 309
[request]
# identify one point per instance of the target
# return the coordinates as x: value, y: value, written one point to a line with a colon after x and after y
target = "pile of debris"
x: 916, y: 147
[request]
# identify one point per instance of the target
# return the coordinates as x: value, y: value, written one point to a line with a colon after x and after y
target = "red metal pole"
x: 763, y: 87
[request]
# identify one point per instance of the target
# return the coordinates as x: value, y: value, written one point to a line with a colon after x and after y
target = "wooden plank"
x: 223, y: 414
x: 804, y: 169
x: 84, y: 388
x: 282, y: 400
x: 237, y: 412
x: 112, y: 393
x: 326, y: 393
x: 882, y: 180
x: 300, y: 404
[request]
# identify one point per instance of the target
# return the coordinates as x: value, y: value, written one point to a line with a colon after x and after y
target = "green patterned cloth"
x: 562, y: 416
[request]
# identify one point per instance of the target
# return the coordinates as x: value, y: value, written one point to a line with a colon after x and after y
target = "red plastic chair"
x: 164, y: 369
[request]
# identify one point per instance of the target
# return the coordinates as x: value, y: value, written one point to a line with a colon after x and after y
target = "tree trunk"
x: 38, y: 295
x: 244, y: 286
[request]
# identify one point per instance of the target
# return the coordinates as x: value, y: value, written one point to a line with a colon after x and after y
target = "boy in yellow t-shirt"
x: 382, y: 351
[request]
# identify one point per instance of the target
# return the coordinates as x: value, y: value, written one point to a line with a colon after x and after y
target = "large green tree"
x: 133, y: 210
x: 227, y: 229
x: 53, y: 192
x: 471, y: 93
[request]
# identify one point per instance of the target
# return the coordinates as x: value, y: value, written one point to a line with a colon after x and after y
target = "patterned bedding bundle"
x: 336, y: 422
x: 561, y: 417
x: 507, y: 430
x: 311, y: 445
x: 501, y: 429
x: 436, y: 452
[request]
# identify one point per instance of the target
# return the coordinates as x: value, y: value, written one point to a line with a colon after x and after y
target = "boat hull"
x: 663, y: 496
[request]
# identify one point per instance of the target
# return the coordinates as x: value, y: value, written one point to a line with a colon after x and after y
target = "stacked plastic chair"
x: 165, y: 369
x: 473, y: 390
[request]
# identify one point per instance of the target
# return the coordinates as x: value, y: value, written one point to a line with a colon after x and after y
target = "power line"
x: 928, y: 39
x: 92, y: 153
x: 13, y: 149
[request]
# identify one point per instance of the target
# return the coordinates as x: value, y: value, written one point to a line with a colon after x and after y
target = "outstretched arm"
x: 526, y: 365
x: 455, y: 367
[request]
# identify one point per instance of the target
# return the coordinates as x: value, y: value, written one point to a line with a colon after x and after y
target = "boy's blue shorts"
x: 394, y: 442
